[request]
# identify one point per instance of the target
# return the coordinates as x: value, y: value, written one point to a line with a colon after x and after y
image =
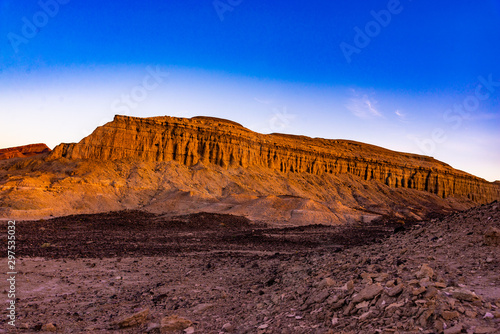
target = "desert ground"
x: 137, y: 272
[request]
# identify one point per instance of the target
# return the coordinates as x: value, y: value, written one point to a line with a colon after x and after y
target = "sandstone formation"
x: 228, y: 144
x: 177, y: 166
x: 23, y: 151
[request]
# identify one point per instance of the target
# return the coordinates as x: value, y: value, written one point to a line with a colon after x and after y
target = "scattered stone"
x: 153, y: 327
x: 320, y: 297
x: 200, y: 308
x: 390, y: 283
x: 327, y: 282
x: 431, y: 292
x: 189, y: 330
x: 485, y: 330
x: 368, y: 293
x: 488, y: 315
x: 454, y: 330
x: 50, y: 327
x: 381, y: 277
x: 174, y: 323
x: 338, y: 304
x: 418, y: 291
x: 363, y: 304
x: 449, y: 315
x: 396, y: 290
x: 440, y: 285
x: 406, y: 304
x: 423, y: 320
x: 424, y: 271
x: 492, y: 236
x: 135, y: 319
x: 464, y: 294
x: 395, y: 305
x: 470, y: 314
x: 439, y: 326
x: 349, y: 286
x: 366, y: 315
x: 228, y: 327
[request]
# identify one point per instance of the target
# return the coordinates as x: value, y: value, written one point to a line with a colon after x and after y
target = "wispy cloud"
x: 363, y: 106
x: 403, y: 117
x: 263, y: 101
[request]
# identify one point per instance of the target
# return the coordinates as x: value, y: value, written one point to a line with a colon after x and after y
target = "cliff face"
x: 23, y: 151
x: 229, y: 145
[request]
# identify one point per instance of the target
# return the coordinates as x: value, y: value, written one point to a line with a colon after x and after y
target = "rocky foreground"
x: 437, y: 276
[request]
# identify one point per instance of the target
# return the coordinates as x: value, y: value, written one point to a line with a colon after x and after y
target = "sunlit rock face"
x: 23, y: 151
x: 227, y: 144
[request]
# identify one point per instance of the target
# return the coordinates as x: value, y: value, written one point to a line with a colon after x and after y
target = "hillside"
x: 23, y: 151
x: 177, y: 165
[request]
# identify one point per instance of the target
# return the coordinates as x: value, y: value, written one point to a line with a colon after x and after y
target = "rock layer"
x: 23, y: 151
x: 229, y: 145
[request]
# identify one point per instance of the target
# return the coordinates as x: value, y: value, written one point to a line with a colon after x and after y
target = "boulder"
x: 492, y: 236
x: 174, y: 323
x: 464, y: 294
x: 424, y: 272
x: 135, y: 319
x: 368, y: 293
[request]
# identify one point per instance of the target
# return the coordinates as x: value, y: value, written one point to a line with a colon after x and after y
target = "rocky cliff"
x: 230, y: 145
x: 23, y: 151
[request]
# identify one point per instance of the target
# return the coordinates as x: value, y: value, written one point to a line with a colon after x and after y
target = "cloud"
x: 403, y: 117
x: 363, y: 107
x: 263, y: 101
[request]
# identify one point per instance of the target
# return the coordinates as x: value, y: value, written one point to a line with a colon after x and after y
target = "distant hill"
x: 23, y: 151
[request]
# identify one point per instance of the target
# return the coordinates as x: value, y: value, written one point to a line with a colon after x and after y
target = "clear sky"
x: 417, y: 76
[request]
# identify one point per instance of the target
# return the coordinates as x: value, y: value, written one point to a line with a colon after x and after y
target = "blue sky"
x: 414, y: 76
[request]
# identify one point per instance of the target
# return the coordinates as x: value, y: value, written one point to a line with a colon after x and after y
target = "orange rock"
x: 174, y: 323
x: 228, y: 144
x: 23, y: 151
